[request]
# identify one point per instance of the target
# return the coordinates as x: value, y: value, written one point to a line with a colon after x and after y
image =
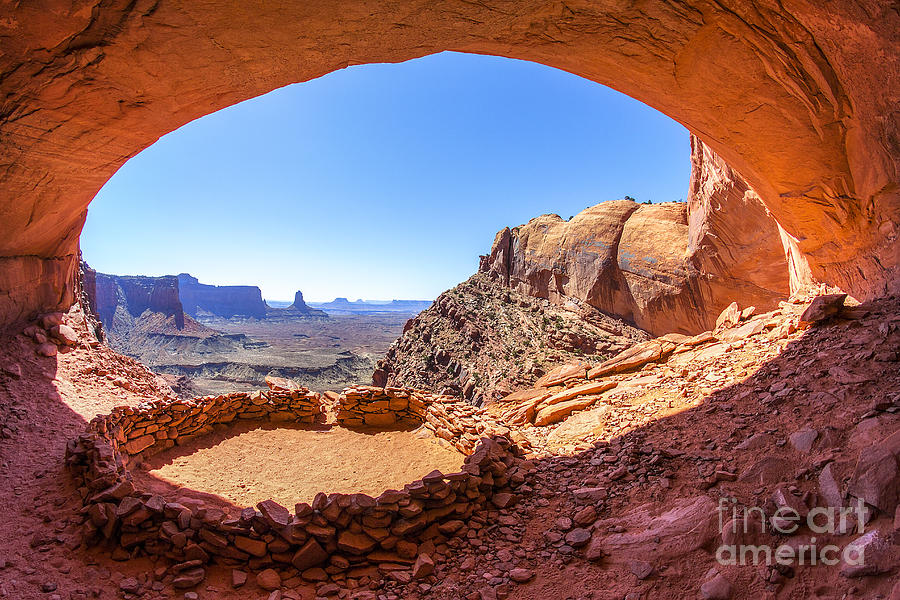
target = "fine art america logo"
x: 743, y: 525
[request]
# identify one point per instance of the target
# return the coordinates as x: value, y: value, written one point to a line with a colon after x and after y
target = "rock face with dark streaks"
x: 136, y: 295
x: 633, y: 261
x: 732, y: 235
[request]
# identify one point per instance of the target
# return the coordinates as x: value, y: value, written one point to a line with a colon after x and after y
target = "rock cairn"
x: 346, y: 538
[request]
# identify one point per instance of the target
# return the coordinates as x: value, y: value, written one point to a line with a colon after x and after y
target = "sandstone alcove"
x: 796, y: 100
x: 785, y: 96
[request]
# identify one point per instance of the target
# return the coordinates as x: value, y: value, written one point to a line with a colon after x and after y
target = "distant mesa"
x: 144, y: 316
x: 345, y: 306
x: 300, y: 305
x: 299, y: 309
x: 181, y: 301
x: 234, y: 301
x: 224, y: 301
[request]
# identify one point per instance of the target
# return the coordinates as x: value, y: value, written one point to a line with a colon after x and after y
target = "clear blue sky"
x: 379, y: 181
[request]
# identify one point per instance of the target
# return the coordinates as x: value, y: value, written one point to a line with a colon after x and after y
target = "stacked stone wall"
x: 160, y: 425
x: 338, y: 536
x: 459, y: 423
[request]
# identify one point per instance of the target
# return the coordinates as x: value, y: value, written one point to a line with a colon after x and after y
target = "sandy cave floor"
x: 249, y: 463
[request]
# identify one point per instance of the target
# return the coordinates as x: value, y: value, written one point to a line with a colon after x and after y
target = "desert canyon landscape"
x: 674, y: 400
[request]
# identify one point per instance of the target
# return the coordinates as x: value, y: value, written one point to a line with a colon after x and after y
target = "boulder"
x: 745, y: 330
x: 821, y: 308
x: 590, y: 495
x: 578, y: 537
x: 756, y: 442
x: 268, y: 579
x: 423, y: 567
x: 876, y: 479
x: 803, y: 440
x: 717, y: 588
x: 729, y: 317
x: 562, y: 374
x: 138, y: 445
x: 238, y: 578
x: 275, y: 514
x: 869, y: 554
x: 525, y: 395
x: 704, y: 337
x: 252, y: 546
x: 355, y: 543
x: 829, y: 488
x: 64, y: 335
x: 765, y: 471
x: 48, y: 320
x: 635, y: 357
x: 690, y: 524
x: 282, y: 384
x: 558, y: 412
x: 47, y: 349
x: 584, y: 389
x: 309, y: 555
x: 585, y: 425
x: 189, y: 578
x: 640, y: 569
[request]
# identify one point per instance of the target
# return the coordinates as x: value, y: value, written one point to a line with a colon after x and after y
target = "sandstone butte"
x: 795, y: 101
x: 670, y: 267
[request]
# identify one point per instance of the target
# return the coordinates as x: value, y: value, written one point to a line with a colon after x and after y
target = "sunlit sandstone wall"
x: 799, y: 97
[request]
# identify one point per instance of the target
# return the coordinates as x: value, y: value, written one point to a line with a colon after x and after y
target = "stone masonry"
x: 337, y: 537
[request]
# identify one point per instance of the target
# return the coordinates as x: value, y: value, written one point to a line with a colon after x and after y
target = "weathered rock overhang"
x: 789, y: 96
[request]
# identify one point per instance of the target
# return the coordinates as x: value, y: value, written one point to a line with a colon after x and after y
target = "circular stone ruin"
x: 338, y: 536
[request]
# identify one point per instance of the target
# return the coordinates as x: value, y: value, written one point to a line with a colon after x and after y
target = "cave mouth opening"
x: 381, y: 181
x: 392, y: 177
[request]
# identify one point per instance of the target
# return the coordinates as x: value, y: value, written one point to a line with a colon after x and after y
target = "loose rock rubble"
x: 480, y: 340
